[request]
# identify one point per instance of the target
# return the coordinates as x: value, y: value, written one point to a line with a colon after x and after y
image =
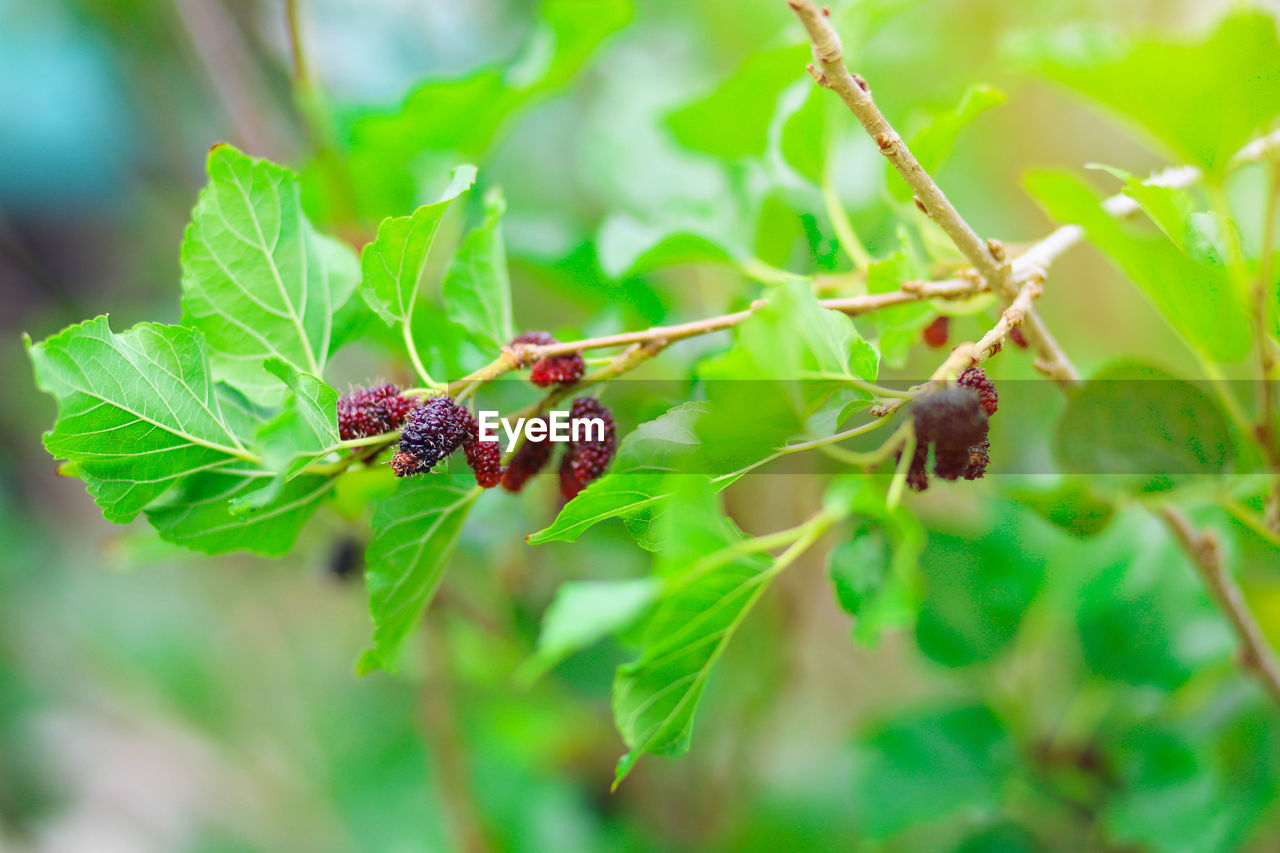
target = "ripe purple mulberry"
x: 953, y: 421
x: 555, y: 370
x: 372, y: 411
x: 918, y: 472
x: 976, y: 380
x: 586, y: 459
x: 590, y: 456
x: 433, y: 430
x: 1019, y: 339
x: 528, y: 460
x: 936, y: 333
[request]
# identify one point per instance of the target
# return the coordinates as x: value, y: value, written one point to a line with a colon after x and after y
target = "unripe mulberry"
x: 528, y: 460
x: 484, y: 457
x: 976, y: 380
x: 433, y: 431
x: 372, y: 411
x: 554, y: 370
x: 590, y: 457
x: 936, y: 333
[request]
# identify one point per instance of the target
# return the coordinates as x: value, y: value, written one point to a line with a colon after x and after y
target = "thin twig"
x: 1256, y: 656
x: 989, y: 258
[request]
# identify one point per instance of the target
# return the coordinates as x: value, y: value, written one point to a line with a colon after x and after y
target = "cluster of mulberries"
x: 954, y: 422
x: 586, y: 460
x: 555, y: 370
x: 372, y: 411
x: 436, y: 429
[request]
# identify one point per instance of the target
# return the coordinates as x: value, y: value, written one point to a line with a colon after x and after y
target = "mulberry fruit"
x: 590, y: 456
x: 570, y: 485
x: 372, y: 411
x: 953, y: 421
x: 979, y: 458
x: 528, y: 460
x: 1019, y: 339
x: 433, y: 431
x: 936, y: 333
x: 555, y: 370
x: 918, y: 472
x: 485, y: 459
x: 976, y: 380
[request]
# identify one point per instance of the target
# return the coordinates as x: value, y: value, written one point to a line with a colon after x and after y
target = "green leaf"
x: 808, y: 133
x: 709, y: 588
x: 257, y: 279
x: 976, y: 593
x: 733, y: 121
x: 1144, y: 618
x: 1196, y: 298
x: 477, y: 291
x: 1072, y: 505
x: 628, y: 246
x: 216, y: 512
x: 136, y: 411
x: 899, y: 325
x: 392, y: 264
x: 786, y: 375
x: 1149, y: 429
x: 414, y: 533
x: 585, y: 612
x: 925, y: 766
x: 932, y: 144
x: 874, y: 571
x: 1154, y: 84
x: 1001, y: 838
x: 305, y: 429
x: 636, y: 486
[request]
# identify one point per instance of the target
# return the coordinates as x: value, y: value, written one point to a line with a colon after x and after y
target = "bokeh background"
x: 156, y: 700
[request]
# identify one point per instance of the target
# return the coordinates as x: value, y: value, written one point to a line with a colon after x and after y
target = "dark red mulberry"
x: 936, y: 333
x: 555, y: 370
x: 433, y: 430
x: 976, y: 380
x: 918, y: 472
x: 953, y: 421
x: 979, y: 458
x: 485, y: 459
x: 570, y: 485
x: 372, y: 411
x: 528, y: 460
x: 1019, y: 339
x: 591, y: 454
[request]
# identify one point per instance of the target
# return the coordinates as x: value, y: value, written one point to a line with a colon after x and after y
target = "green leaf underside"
x: 136, y: 410
x: 1233, y: 68
x: 414, y: 534
x: 476, y: 289
x: 708, y: 590
x: 392, y: 264
x: 733, y: 121
x: 1196, y: 297
x: 585, y: 612
x: 257, y: 279
x: 198, y: 512
x: 1145, y: 425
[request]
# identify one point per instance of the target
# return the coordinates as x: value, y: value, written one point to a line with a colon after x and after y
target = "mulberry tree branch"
x: 1256, y: 656
x: 989, y: 257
